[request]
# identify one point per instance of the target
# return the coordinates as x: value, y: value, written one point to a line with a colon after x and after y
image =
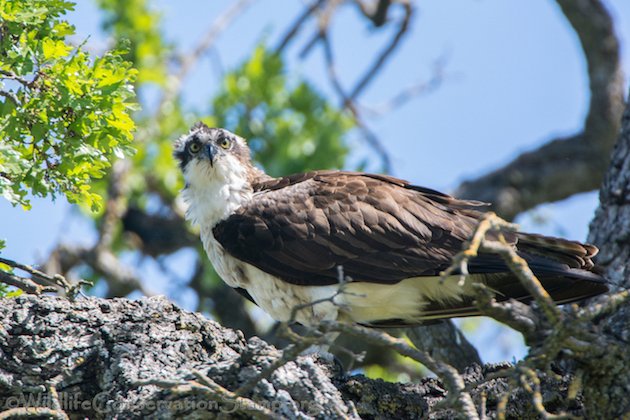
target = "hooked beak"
x: 211, y: 152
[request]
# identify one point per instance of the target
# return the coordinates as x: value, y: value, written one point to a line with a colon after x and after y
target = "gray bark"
x: 96, y: 352
x: 610, y: 230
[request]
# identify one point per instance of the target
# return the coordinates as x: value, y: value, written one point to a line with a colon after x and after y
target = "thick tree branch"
x: 147, y: 358
x: 566, y: 166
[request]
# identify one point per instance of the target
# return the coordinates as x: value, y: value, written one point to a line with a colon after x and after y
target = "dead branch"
x: 297, y: 25
x: 382, y: 58
x: 51, y: 283
x: 189, y: 61
x: 24, y: 284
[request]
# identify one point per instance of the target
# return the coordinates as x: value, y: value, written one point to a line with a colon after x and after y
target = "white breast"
x: 212, y: 195
x: 274, y: 296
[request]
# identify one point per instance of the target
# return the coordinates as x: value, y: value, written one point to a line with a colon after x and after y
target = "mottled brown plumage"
x: 383, y: 231
x: 378, y: 228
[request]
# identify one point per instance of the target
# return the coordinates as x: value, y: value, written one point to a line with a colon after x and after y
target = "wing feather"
x: 378, y: 228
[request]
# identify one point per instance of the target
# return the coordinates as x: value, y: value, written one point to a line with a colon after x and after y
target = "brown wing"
x: 378, y: 228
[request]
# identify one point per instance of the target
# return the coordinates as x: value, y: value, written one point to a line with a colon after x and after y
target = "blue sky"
x: 515, y: 78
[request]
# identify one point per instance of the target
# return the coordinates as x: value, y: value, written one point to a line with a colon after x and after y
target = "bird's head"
x: 212, y: 155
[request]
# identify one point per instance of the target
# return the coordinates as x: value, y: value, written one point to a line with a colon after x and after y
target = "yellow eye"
x: 225, y: 143
x: 194, y: 147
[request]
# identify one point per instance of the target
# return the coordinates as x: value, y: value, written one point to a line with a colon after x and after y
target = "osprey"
x: 280, y: 241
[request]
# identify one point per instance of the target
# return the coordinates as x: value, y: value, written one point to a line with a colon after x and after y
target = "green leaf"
x: 53, y: 49
x: 56, y: 136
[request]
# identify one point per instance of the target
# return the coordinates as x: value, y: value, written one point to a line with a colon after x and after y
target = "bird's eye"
x: 225, y: 143
x: 194, y: 147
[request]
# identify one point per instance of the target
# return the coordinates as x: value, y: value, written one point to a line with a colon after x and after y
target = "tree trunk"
x: 607, y: 385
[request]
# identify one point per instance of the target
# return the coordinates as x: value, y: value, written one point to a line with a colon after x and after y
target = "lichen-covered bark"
x: 96, y: 351
x: 607, y: 383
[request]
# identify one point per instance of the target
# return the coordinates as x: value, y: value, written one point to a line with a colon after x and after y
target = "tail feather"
x: 572, y: 253
x: 577, y: 285
x: 565, y: 269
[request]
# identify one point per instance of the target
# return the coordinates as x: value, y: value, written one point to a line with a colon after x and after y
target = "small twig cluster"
x: 324, y: 12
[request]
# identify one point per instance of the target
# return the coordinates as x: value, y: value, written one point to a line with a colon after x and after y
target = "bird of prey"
x: 280, y: 241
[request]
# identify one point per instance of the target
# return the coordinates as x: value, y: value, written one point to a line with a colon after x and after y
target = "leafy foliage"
x: 134, y: 25
x: 63, y: 114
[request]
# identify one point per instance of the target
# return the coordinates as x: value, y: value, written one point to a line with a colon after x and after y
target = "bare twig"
x: 121, y: 279
x: 566, y: 166
x: 515, y: 263
x: 211, y: 389
x: 368, y: 77
x: 609, y: 305
x: 368, y: 135
x: 56, y: 280
x: 297, y: 25
x: 425, y: 87
x: 189, y: 61
x: 27, y: 285
x: 528, y: 279
x: 325, y: 11
x: 324, y: 17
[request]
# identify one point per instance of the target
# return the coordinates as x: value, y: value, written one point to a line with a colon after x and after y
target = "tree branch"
x: 380, y: 60
x: 566, y: 166
x: 298, y: 25
x: 189, y: 61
